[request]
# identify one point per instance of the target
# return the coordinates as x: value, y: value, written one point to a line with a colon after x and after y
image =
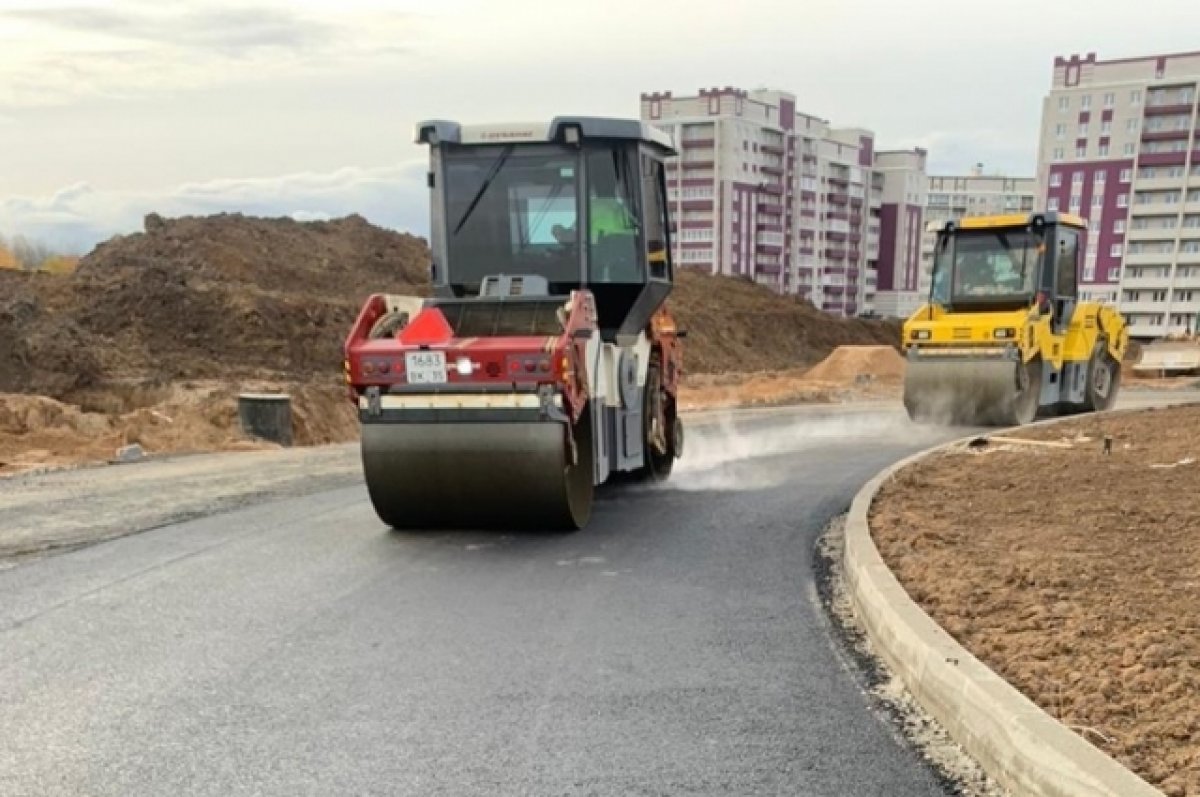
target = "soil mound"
x: 234, y: 297
x: 735, y: 325
x: 846, y: 364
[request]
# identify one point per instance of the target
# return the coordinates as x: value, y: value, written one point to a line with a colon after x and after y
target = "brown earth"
x: 1073, y: 574
x: 38, y: 432
x: 232, y: 299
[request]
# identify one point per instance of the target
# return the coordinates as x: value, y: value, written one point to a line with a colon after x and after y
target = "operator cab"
x: 1008, y: 262
x: 522, y: 211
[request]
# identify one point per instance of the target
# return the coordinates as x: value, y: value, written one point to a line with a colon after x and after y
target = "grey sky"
x: 111, y: 109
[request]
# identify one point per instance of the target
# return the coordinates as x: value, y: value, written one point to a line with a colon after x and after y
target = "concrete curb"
x: 1017, y: 743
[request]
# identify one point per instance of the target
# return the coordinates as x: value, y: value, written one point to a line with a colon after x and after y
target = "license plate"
x: 425, y: 367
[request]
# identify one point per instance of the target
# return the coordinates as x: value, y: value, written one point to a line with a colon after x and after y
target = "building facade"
x: 950, y: 197
x: 904, y: 188
x: 763, y: 191
x: 1119, y: 147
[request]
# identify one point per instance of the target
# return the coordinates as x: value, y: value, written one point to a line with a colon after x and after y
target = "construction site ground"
x: 1073, y: 573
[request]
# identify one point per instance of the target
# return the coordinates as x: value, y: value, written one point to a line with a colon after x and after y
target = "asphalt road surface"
x: 297, y: 647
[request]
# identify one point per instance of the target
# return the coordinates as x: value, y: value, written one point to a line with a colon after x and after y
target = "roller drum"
x: 514, y: 475
x: 997, y: 392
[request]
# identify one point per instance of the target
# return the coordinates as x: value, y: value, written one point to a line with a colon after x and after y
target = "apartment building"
x: 904, y: 189
x: 767, y: 192
x: 950, y: 197
x: 1119, y: 147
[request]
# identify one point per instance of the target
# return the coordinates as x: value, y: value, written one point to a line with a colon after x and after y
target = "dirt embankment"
x: 228, y: 302
x: 1072, y: 573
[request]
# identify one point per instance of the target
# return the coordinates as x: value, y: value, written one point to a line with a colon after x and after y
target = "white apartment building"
x: 952, y: 197
x: 1119, y: 147
x: 766, y: 192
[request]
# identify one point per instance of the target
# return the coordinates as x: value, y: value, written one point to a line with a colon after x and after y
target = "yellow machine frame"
x: 1006, y: 366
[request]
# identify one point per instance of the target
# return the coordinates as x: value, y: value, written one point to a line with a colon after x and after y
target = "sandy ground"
x: 1072, y: 573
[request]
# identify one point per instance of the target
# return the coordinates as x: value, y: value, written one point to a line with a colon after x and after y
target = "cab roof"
x: 1016, y: 220
x: 440, y: 131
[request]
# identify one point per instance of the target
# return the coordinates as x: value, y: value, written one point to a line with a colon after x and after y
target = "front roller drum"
x: 997, y: 392
x: 515, y: 475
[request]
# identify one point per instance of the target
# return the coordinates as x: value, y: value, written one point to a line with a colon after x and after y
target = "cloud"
x: 59, y: 55
x: 232, y: 30
x: 79, y: 216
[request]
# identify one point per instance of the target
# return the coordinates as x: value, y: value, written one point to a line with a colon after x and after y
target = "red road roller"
x: 546, y: 361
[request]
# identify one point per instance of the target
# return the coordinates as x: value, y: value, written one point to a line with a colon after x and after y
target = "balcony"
x: 841, y: 182
x: 768, y: 226
x: 837, y: 199
x: 699, y: 143
x: 771, y: 149
x: 1162, y: 158
x: 1174, y: 109
x: 1150, y: 234
x: 697, y: 204
x: 1148, y: 258
x: 1143, y: 306
x: 1152, y: 283
x: 1166, y: 135
x: 769, y: 206
x: 692, y: 165
x: 1160, y: 183
x: 1188, y: 258
x: 771, y: 169
x: 835, y: 253
x: 1191, y: 281
x: 836, y: 235
x: 1154, y: 209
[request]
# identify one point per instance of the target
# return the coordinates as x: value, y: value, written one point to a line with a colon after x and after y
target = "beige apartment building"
x: 1119, y: 147
x: 764, y: 191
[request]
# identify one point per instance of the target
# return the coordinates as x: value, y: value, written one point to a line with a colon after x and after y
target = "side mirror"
x: 1044, y: 305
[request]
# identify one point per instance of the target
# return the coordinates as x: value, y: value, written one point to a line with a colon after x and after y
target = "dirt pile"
x: 735, y: 325
x: 1073, y: 574
x: 233, y: 297
x: 851, y: 365
x: 36, y: 431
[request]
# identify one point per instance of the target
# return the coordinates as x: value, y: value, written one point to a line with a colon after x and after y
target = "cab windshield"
x: 993, y: 268
x: 509, y: 210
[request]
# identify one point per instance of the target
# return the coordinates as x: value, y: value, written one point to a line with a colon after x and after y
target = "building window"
x: 1129, y: 149
x: 1064, y: 103
x: 1097, y: 201
x: 1085, y: 101
x: 1126, y: 175
x: 1060, y: 130
x: 1058, y: 153
x: 1115, y: 251
x: 1075, y: 202
x: 1056, y: 179
x: 1052, y: 205
x: 1135, y: 97
x: 1122, y: 200
x: 1076, y: 179
x: 1100, y: 177
x: 1119, y: 227
x: 1106, y: 127
x: 1083, y: 128
x: 1110, y: 99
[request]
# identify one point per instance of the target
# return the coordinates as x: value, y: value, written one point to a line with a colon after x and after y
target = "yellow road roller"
x: 1003, y: 337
